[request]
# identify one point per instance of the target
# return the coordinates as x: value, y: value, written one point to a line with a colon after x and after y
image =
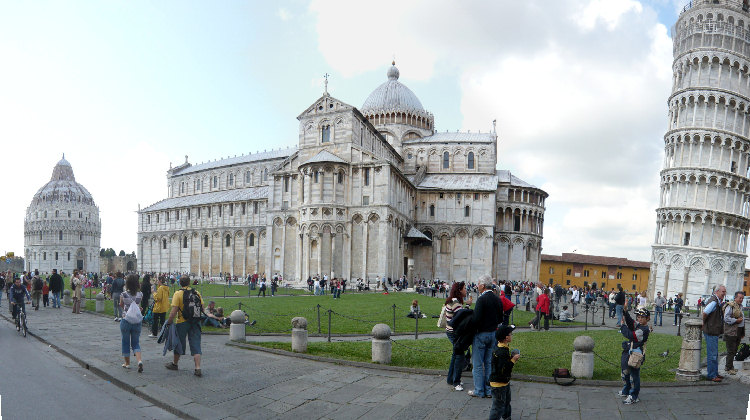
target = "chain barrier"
x: 420, y: 350
x: 669, y: 356
x: 297, y: 313
x: 355, y: 319
x: 357, y: 340
x: 548, y: 357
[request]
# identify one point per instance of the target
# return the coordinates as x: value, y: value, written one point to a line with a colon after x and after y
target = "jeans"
x: 131, y: 334
x: 500, y: 403
x: 116, y: 304
x: 618, y: 311
x: 611, y: 309
x: 517, y: 299
x: 658, y: 315
x: 632, y: 379
x: 56, y: 299
x: 677, y: 316
x: 712, y: 355
x: 456, y: 364
x: 211, y: 322
x: 262, y: 290
x: 157, y: 322
x: 483, y: 345
x: 336, y: 293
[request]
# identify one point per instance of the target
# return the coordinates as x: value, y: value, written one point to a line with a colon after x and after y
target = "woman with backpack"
x: 130, y: 325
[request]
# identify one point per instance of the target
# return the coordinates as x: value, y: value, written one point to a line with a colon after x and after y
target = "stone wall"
x: 117, y: 263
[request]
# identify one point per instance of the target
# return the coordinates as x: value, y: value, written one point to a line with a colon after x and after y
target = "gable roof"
x: 455, y: 137
x: 240, y: 194
x: 461, y: 182
x: 569, y: 257
x: 325, y: 156
x: 237, y: 160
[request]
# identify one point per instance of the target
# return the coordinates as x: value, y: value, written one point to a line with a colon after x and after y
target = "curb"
x: 436, y: 372
x: 104, y: 375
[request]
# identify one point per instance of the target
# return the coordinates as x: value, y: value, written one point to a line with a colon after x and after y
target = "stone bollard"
x: 690, y: 355
x: 582, y: 363
x: 100, y: 302
x: 299, y: 334
x: 381, y: 344
x: 237, y: 328
x: 66, y: 297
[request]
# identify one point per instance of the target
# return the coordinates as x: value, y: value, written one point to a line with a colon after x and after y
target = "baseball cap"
x: 504, y: 331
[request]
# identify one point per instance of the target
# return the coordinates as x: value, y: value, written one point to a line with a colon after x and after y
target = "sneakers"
x: 152, y: 336
x: 458, y: 387
x: 171, y: 366
x: 116, y: 319
x: 631, y: 400
x: 620, y: 394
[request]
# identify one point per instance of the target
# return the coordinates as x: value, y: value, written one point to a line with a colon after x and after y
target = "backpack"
x: 133, y: 314
x: 743, y: 352
x: 192, y: 308
x: 38, y: 283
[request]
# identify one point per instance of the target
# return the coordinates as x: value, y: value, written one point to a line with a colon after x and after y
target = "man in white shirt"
x: 575, y: 299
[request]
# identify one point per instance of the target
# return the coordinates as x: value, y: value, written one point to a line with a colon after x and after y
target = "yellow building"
x: 581, y: 270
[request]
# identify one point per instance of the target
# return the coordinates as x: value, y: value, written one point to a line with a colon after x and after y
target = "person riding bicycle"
x: 16, y: 294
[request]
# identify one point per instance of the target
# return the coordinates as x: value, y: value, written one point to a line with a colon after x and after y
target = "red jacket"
x: 542, y: 303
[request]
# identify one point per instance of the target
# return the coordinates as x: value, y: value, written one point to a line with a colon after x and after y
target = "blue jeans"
x: 116, y: 304
x: 517, y: 299
x: 500, y: 403
x: 131, y: 335
x: 676, y: 316
x: 456, y: 364
x: 659, y: 315
x: 618, y: 311
x: 56, y: 299
x: 483, y: 345
x: 632, y: 380
x: 712, y: 355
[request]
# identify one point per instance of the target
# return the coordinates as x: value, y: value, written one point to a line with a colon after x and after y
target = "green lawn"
x: 540, y: 353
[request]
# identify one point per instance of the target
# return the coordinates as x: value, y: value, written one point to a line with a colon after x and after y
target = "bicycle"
x: 21, y: 322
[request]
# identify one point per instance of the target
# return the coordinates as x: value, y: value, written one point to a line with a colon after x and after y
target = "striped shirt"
x: 450, y: 311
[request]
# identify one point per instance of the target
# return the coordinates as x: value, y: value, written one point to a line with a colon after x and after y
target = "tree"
x: 122, y: 253
x: 101, y: 252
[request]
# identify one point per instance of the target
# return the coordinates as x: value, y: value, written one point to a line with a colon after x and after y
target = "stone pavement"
x: 239, y: 383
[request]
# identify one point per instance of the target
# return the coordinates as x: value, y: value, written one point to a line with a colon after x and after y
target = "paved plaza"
x: 244, y: 384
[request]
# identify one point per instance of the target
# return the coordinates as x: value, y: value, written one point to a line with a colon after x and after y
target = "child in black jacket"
x: 502, y: 367
x: 636, y: 333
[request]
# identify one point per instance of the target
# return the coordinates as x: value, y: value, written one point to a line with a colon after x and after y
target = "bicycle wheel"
x: 18, y: 324
x: 23, y: 324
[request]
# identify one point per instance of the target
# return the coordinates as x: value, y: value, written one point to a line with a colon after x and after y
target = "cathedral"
x: 62, y: 228
x: 367, y: 192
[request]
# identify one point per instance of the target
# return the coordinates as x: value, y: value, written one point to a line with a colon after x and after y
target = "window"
x: 315, y: 177
x: 458, y: 196
x: 516, y: 223
x: 80, y: 236
x: 209, y: 212
x: 243, y: 208
x: 552, y: 270
x: 157, y: 217
x: 251, y: 239
x: 551, y: 281
x: 567, y: 272
x: 163, y: 244
x: 40, y: 236
x: 365, y: 200
x: 604, y: 285
x: 231, y: 179
x: 476, y: 196
x: 56, y: 257
x: 177, y: 214
x: 167, y: 216
x: 68, y: 256
x: 325, y: 134
x: 366, y: 173
x: 221, y: 207
x: 205, y: 241
x: 255, y: 207
x: 182, y: 187
x: 60, y: 235
x: 199, y: 213
x: 80, y: 214
x: 45, y: 214
x: 184, y: 241
x: 265, y: 174
x: 567, y: 282
x: 734, y: 167
x: 467, y: 211
x: 446, y: 160
x: 470, y: 161
x: 44, y: 255
x: 619, y: 275
x: 57, y: 213
x: 231, y: 209
x: 440, y: 195
x: 635, y: 277
x: 432, y: 210
x: 686, y: 240
x: 585, y: 273
x: 633, y: 287
x: 227, y: 240
x: 247, y: 177
x: 286, y: 184
x: 340, y: 178
x: 604, y: 274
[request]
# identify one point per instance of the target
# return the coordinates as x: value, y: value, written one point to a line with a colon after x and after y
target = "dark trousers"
x: 45, y: 300
x: 500, y: 403
x: 732, y: 343
x: 157, y: 322
x: 262, y: 290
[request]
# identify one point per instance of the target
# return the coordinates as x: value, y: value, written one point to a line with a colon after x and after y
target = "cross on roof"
x: 326, y: 82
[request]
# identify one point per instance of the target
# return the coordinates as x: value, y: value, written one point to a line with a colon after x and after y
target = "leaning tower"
x: 702, y: 219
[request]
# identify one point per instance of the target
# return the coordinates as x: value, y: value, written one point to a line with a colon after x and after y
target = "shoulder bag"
x: 636, y: 358
x: 443, y: 319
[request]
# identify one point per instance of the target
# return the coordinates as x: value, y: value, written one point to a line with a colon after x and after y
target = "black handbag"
x: 564, y: 374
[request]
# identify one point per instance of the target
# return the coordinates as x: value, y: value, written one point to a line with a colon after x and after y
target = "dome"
x: 63, y: 187
x: 393, y: 96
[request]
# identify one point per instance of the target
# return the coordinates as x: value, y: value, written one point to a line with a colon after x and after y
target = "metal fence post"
x: 394, y: 317
x: 318, y: 318
x: 416, y: 327
x: 329, y: 325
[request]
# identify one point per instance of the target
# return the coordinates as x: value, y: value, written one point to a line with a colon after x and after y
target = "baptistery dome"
x: 62, y: 228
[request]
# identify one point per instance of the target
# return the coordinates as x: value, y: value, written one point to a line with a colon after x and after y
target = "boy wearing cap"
x: 502, y: 367
x: 636, y: 332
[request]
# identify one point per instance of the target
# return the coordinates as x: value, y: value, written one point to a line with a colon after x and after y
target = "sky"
x: 125, y: 88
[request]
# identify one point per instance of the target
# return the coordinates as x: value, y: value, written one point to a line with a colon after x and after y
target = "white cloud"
x: 283, y: 14
x: 578, y: 89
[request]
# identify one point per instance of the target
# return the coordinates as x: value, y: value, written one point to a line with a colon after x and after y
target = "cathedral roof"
x: 414, y: 233
x: 505, y: 177
x: 460, y: 182
x: 62, y: 187
x: 240, y: 194
x: 392, y: 96
x: 325, y: 156
x: 237, y: 160
x: 454, y: 137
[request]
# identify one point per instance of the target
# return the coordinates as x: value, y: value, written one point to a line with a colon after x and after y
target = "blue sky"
x: 579, y: 89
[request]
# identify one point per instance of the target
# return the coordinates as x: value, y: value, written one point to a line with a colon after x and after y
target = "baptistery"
x: 62, y: 228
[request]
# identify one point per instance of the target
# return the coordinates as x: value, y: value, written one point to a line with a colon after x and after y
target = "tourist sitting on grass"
x: 212, y: 316
x: 565, y: 315
x: 414, y: 311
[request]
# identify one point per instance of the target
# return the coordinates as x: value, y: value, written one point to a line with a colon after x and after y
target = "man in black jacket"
x: 55, y: 286
x: 619, y: 305
x: 488, y: 312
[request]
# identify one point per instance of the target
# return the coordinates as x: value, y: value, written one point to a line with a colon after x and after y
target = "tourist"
x: 713, y: 321
x: 76, y: 284
x: 188, y: 330
x: 642, y: 301
x: 211, y: 317
x: 612, y: 303
x: 575, y: 298
x: 45, y: 294
x: 146, y: 291
x: 659, y: 303
x: 670, y: 302
x: 310, y: 284
x: 619, y: 305
x: 734, y: 329
x: 637, y: 335
x: 56, y: 287
x: 130, y: 329
x: 161, y: 305
x: 503, y: 361
x: 543, y: 310
x: 37, y: 284
x: 677, y: 308
x: 565, y: 315
x: 487, y: 314
x: 117, y: 287
x: 261, y: 287
x: 274, y: 284
x: 453, y: 303
x: 414, y: 311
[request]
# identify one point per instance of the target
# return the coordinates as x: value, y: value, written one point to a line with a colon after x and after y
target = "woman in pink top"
x: 453, y: 303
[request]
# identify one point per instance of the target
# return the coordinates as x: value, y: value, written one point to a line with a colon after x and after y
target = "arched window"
x: 470, y: 160
x: 80, y: 236
x: 216, y: 181
x: 60, y: 235
x: 251, y: 239
x: 428, y: 234
x: 325, y: 134
x: 432, y: 210
x: 265, y: 174
x: 446, y: 160
x: 184, y: 241
x: 163, y: 244
x: 45, y: 214
x: 231, y: 179
x: 57, y: 213
x: 205, y: 241
x: 227, y: 240
x: 247, y: 177
x: 340, y: 177
x: 467, y: 211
